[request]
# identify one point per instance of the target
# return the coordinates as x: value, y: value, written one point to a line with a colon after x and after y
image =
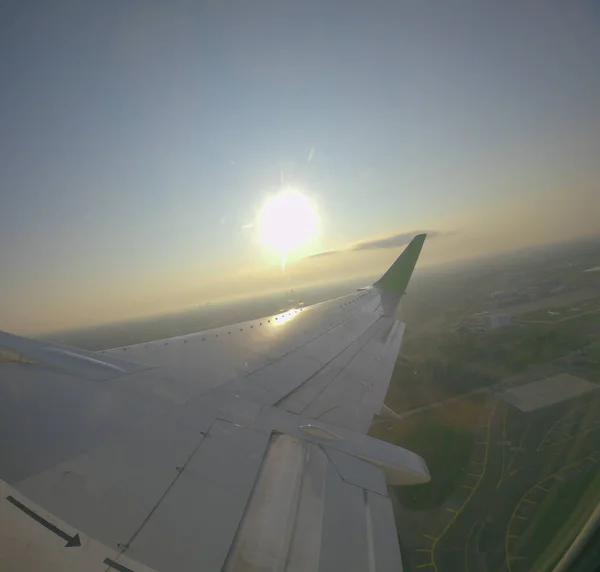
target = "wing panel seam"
x: 376, y: 323
x: 124, y: 547
x: 325, y: 365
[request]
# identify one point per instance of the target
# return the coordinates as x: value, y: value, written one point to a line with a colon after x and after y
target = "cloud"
x: 394, y: 240
x: 324, y: 253
x: 311, y: 154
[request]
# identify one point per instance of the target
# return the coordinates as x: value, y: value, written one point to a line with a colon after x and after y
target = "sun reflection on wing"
x: 285, y: 317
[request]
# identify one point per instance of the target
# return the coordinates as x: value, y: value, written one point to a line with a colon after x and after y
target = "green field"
x: 438, y: 366
x: 445, y: 444
x: 472, y: 514
x: 576, y: 498
x: 562, y: 313
x: 497, y: 501
x: 448, y: 451
x: 475, y: 518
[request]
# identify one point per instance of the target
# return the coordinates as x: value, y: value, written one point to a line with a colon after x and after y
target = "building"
x: 498, y: 321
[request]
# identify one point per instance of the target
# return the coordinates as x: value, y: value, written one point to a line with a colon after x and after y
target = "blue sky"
x: 138, y: 139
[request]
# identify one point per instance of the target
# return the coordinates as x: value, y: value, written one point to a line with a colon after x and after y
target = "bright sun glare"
x: 286, y: 221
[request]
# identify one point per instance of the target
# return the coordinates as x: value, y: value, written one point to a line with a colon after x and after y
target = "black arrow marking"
x: 117, y: 566
x: 71, y: 540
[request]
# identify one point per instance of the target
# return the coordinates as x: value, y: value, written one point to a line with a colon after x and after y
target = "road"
x: 485, y: 523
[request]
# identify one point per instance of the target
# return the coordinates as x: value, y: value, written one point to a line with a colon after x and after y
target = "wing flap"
x: 357, y: 472
x: 303, y: 516
x: 344, y: 542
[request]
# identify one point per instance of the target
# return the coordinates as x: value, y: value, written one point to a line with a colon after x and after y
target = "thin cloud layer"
x: 324, y: 253
x: 400, y: 239
x: 393, y: 241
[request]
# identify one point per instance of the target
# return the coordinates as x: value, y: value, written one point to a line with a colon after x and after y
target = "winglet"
x: 399, y: 273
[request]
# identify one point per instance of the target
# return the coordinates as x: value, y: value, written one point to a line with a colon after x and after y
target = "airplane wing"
x: 241, y: 448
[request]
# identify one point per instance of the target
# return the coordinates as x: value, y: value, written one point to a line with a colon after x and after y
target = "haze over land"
x: 476, y: 234
x: 141, y: 141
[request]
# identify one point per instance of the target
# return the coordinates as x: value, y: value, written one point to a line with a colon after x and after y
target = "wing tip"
x: 399, y: 273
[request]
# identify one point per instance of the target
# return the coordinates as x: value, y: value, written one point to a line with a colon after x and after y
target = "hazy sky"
x: 139, y: 138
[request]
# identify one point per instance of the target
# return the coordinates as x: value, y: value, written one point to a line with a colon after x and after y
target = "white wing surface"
x: 241, y: 448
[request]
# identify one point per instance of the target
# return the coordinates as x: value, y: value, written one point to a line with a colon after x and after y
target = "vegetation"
x: 435, y: 367
x: 431, y: 382
x: 444, y: 437
x: 561, y: 518
x: 571, y: 311
x: 522, y: 347
x: 447, y: 452
x: 443, y: 359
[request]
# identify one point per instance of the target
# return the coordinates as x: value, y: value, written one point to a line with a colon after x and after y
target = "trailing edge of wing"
x: 399, y: 273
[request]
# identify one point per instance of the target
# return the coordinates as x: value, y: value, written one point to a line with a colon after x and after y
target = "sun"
x: 286, y: 221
